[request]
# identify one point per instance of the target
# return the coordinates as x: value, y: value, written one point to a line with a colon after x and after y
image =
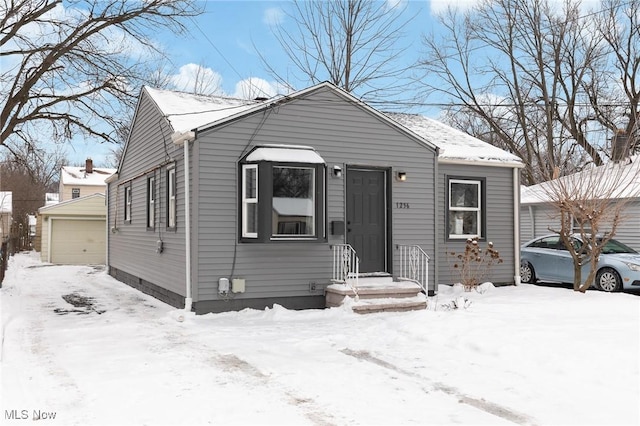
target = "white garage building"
x: 74, y: 231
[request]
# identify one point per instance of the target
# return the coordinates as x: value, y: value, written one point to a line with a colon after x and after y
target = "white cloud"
x: 254, y: 87
x: 440, y: 6
x: 273, y: 16
x: 197, y: 79
x: 391, y: 4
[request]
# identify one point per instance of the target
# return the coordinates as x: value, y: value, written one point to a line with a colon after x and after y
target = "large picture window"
x: 465, y: 208
x: 282, y: 195
x: 293, y: 201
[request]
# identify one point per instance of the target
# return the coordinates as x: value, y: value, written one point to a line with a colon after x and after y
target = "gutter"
x: 474, y: 162
x: 183, y: 138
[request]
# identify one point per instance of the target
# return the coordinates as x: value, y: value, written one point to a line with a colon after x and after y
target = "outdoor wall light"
x: 401, y: 176
x: 337, y: 171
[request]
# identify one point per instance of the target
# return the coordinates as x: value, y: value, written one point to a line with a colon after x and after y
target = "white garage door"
x: 78, y: 242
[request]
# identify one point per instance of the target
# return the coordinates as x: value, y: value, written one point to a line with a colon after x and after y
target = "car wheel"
x: 527, y: 274
x: 608, y: 280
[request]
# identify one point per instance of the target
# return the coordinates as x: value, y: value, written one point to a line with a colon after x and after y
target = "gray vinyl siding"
x: 545, y: 216
x: 132, y: 247
x: 343, y: 134
x: 499, y: 227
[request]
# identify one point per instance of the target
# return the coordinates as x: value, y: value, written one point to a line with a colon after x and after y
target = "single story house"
x: 74, y: 232
x: 538, y: 214
x: 221, y: 204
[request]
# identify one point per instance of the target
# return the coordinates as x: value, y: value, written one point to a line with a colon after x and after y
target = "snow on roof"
x: 186, y: 111
x: 51, y: 198
x: 454, y: 144
x: 70, y: 175
x: 625, y: 174
x: 286, y: 153
x: 6, y: 201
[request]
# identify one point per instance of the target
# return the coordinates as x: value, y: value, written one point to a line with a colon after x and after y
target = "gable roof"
x: 188, y: 112
x: 626, y: 175
x: 454, y: 144
x: 70, y: 175
x: 48, y: 209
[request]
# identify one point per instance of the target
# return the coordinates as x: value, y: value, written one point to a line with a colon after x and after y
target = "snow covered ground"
x: 80, y: 348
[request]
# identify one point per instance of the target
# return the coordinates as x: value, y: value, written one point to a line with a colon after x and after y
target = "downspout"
x: 532, y: 219
x: 183, y: 139
x: 516, y: 224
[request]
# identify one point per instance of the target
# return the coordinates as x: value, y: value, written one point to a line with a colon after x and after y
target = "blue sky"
x: 224, y: 38
x: 222, y: 42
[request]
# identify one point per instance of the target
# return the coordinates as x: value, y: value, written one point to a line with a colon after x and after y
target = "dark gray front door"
x: 366, y: 219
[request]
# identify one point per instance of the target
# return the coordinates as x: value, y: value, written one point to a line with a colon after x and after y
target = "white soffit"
x: 286, y: 154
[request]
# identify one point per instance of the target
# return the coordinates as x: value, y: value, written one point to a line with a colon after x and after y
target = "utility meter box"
x: 237, y: 285
x: 223, y: 285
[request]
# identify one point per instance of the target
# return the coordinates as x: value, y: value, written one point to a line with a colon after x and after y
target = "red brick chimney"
x: 88, y: 168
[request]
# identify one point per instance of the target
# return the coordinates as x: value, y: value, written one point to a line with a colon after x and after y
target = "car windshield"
x: 615, y: 246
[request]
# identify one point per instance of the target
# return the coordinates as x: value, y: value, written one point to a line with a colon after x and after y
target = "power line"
x: 258, y: 89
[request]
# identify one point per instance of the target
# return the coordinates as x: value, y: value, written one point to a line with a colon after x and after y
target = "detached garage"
x: 74, y: 231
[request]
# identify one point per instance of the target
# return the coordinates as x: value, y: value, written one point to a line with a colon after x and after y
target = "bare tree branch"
x: 71, y: 68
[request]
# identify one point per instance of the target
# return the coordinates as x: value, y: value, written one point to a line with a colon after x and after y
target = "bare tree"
x: 538, y: 79
x: 352, y: 43
x: 71, y: 68
x: 619, y: 25
x: 591, y: 205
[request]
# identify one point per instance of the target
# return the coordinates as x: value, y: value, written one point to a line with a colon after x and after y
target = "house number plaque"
x: 402, y: 206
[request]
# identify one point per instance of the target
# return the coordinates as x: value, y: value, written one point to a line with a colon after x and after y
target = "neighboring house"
x: 538, y: 215
x: 51, y: 198
x: 274, y: 187
x: 74, y: 231
x: 76, y: 182
x: 6, y: 214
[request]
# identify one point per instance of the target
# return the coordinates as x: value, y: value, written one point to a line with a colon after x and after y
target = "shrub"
x: 474, y: 264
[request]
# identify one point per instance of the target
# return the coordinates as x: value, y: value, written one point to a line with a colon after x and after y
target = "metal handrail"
x: 414, y: 265
x: 346, y: 266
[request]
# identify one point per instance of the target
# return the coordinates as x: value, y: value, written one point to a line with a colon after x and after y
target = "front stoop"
x: 378, y: 294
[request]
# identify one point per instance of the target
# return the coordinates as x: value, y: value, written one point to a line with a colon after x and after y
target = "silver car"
x: 546, y: 259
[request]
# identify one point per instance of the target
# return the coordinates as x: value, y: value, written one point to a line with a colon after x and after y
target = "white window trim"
x: 151, y: 208
x: 247, y: 200
x: 172, y: 207
x: 127, y: 203
x: 477, y: 210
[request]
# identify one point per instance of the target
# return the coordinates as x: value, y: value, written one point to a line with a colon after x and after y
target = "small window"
x: 250, y: 201
x: 465, y: 208
x: 151, y: 202
x: 127, y: 204
x: 171, y: 198
x: 75, y: 193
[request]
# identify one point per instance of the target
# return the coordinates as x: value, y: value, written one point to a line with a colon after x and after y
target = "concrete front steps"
x: 377, y: 294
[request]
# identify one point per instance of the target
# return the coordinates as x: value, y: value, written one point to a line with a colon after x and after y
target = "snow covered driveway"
x: 79, y: 347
